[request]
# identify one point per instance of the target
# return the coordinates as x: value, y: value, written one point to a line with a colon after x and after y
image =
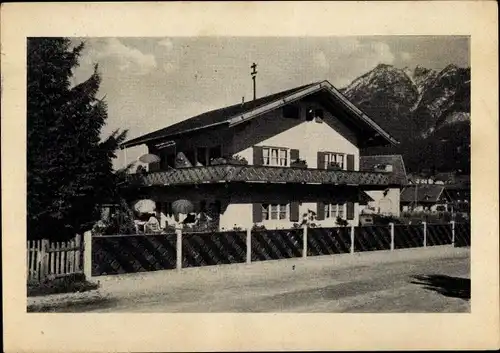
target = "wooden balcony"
x: 257, y: 174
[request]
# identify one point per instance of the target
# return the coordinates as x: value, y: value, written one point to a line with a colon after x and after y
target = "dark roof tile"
x: 424, y: 193
x: 217, y: 116
x: 398, y: 174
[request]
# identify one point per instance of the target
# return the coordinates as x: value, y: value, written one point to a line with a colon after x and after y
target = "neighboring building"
x: 302, y: 149
x: 387, y: 201
x: 424, y: 197
x: 459, y: 195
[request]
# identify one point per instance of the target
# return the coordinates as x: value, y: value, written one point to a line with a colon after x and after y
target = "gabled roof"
x: 397, y: 176
x: 238, y: 113
x: 422, y: 193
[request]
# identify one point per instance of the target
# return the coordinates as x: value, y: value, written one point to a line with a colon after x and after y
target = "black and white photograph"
x: 228, y: 176
x: 209, y: 174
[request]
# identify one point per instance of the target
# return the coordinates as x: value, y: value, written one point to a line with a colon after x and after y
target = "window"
x: 314, y: 114
x: 318, y: 113
x: 274, y: 211
x: 275, y: 156
x: 334, y: 158
x: 190, y: 157
x: 214, y: 153
x: 291, y: 112
x: 335, y: 210
x: 204, y: 155
x: 310, y: 114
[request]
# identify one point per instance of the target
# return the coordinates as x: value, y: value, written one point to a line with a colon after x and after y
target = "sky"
x: 150, y: 83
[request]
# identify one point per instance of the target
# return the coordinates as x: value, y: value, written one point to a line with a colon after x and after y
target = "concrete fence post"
x: 425, y: 233
x: 304, y: 241
x: 178, y: 246
x: 391, y: 226
x: 87, y: 254
x: 352, y: 239
x: 249, y: 244
x: 452, y: 233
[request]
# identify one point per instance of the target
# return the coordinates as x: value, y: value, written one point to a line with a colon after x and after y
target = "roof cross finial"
x: 254, y: 75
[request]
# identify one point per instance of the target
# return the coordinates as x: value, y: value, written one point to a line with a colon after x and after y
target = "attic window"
x: 318, y: 114
x: 310, y: 114
x: 291, y: 112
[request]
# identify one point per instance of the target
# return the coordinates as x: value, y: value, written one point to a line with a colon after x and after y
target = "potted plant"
x: 234, y: 160
x: 341, y: 222
x: 299, y: 163
x: 258, y: 227
x: 333, y: 166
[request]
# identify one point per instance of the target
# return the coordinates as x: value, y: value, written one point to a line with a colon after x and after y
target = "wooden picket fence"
x: 56, y: 259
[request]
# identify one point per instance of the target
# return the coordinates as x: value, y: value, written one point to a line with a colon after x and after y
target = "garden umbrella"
x: 182, y: 206
x: 145, y: 206
x: 149, y: 158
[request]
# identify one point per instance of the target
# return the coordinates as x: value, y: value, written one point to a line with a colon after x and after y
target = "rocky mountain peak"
x: 418, y: 105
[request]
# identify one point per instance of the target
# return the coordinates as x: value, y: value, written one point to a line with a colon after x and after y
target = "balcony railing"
x: 257, y: 174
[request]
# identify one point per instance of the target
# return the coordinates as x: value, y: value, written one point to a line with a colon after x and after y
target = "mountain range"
x: 427, y: 110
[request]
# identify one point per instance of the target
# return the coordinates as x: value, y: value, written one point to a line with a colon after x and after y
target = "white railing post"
x: 425, y: 234
x: 178, y: 246
x: 391, y: 226
x: 452, y: 233
x: 249, y: 244
x: 87, y: 254
x: 352, y: 239
x: 304, y: 241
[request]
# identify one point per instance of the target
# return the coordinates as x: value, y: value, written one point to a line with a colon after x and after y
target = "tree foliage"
x: 69, y: 168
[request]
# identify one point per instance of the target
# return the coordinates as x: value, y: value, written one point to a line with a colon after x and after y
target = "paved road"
x: 434, y: 280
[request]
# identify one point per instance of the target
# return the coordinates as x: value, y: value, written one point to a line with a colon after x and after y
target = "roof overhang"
x: 234, y: 120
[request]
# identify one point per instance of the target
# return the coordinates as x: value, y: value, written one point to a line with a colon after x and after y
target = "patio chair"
x: 153, y: 225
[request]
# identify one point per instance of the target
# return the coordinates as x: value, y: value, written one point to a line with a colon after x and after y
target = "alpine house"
x: 267, y: 162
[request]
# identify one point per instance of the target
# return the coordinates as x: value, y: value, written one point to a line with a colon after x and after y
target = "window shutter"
x: 350, y: 210
x: 321, y: 160
x: 350, y: 162
x: 294, y: 155
x: 257, y: 212
x: 320, y: 211
x: 258, y: 158
x: 294, y: 211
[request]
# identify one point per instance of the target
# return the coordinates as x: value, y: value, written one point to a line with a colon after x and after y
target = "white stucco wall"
x: 240, y: 215
x: 309, y: 137
x: 236, y: 214
x: 388, y: 204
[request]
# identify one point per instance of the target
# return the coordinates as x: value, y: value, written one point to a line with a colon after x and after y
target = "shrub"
x: 258, y: 227
x: 68, y: 284
x: 341, y: 222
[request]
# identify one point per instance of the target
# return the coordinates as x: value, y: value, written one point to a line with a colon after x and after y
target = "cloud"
x: 127, y: 58
x: 405, y: 56
x: 167, y: 43
x: 169, y: 67
x: 382, y: 51
x: 320, y: 60
x: 349, y: 58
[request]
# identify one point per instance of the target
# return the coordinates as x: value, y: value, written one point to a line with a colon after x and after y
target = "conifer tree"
x: 69, y: 168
